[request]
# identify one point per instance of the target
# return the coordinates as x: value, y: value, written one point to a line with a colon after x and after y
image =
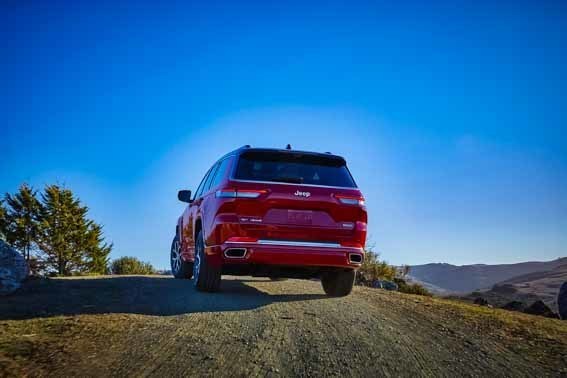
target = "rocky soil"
x: 158, y: 326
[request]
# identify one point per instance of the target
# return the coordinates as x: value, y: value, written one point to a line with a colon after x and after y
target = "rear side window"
x: 199, y: 190
x: 207, y: 184
x: 293, y: 167
x: 221, y: 173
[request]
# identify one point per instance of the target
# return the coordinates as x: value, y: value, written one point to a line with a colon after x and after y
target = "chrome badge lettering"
x: 302, y: 194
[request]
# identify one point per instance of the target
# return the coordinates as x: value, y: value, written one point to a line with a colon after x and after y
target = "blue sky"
x: 452, y: 117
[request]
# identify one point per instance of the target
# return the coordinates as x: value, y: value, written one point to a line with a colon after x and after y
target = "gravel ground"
x: 159, y: 326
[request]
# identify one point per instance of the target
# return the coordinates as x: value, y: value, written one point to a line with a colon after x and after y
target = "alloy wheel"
x: 175, y: 257
x: 197, y: 263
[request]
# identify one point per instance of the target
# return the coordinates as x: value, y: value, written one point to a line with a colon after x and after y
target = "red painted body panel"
x: 278, y: 213
x: 288, y: 256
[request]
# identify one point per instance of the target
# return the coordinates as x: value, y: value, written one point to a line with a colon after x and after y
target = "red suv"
x: 272, y: 213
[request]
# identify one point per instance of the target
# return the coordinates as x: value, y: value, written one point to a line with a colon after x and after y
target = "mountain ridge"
x: 467, y: 278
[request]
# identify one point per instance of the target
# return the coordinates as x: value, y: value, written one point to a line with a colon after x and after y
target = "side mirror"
x: 184, y: 196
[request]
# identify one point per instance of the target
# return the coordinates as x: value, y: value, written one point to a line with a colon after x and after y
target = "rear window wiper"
x: 293, y: 180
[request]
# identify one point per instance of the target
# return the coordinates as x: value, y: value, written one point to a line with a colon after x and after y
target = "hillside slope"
x: 528, y: 288
x: 156, y: 326
x: 467, y: 278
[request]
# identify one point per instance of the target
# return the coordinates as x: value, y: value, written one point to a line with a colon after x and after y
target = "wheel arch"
x: 178, y: 226
x: 198, y: 227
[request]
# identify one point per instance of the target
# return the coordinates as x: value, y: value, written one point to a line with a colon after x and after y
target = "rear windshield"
x: 295, y: 168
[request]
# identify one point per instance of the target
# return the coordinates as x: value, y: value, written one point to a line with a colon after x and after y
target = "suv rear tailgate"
x: 296, y: 212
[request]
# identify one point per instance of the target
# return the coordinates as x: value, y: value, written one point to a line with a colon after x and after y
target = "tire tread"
x: 209, y: 276
x: 338, y: 284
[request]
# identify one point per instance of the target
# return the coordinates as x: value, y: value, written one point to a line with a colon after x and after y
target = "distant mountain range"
x: 444, y: 278
x: 529, y: 287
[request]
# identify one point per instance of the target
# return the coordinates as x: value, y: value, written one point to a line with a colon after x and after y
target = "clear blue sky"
x: 452, y: 117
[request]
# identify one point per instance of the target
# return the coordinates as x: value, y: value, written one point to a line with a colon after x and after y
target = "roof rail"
x: 245, y: 146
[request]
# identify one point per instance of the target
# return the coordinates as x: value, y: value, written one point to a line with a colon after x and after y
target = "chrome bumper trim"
x: 291, y: 243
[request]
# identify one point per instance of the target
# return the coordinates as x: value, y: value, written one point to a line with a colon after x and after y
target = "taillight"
x: 239, y: 193
x: 350, y: 200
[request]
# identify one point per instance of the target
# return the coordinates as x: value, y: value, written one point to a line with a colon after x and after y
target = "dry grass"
x: 505, y: 340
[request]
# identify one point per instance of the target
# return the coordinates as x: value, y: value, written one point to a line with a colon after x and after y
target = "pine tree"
x: 98, y: 251
x: 3, y: 220
x: 70, y: 241
x: 22, y: 219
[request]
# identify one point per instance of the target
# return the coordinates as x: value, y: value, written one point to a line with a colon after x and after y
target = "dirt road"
x: 158, y: 326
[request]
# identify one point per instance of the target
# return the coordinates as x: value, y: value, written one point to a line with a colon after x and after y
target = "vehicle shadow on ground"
x: 149, y: 295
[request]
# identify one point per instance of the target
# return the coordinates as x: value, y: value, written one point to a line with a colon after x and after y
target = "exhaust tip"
x: 355, y: 258
x: 235, y: 253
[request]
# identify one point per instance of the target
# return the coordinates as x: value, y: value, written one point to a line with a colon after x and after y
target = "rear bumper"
x: 286, y: 253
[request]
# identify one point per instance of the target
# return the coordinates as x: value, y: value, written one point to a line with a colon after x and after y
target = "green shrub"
x: 411, y: 288
x: 131, y: 265
x: 373, y: 269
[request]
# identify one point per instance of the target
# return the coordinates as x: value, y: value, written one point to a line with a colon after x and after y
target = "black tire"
x: 206, y: 276
x: 179, y: 268
x: 338, y: 284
